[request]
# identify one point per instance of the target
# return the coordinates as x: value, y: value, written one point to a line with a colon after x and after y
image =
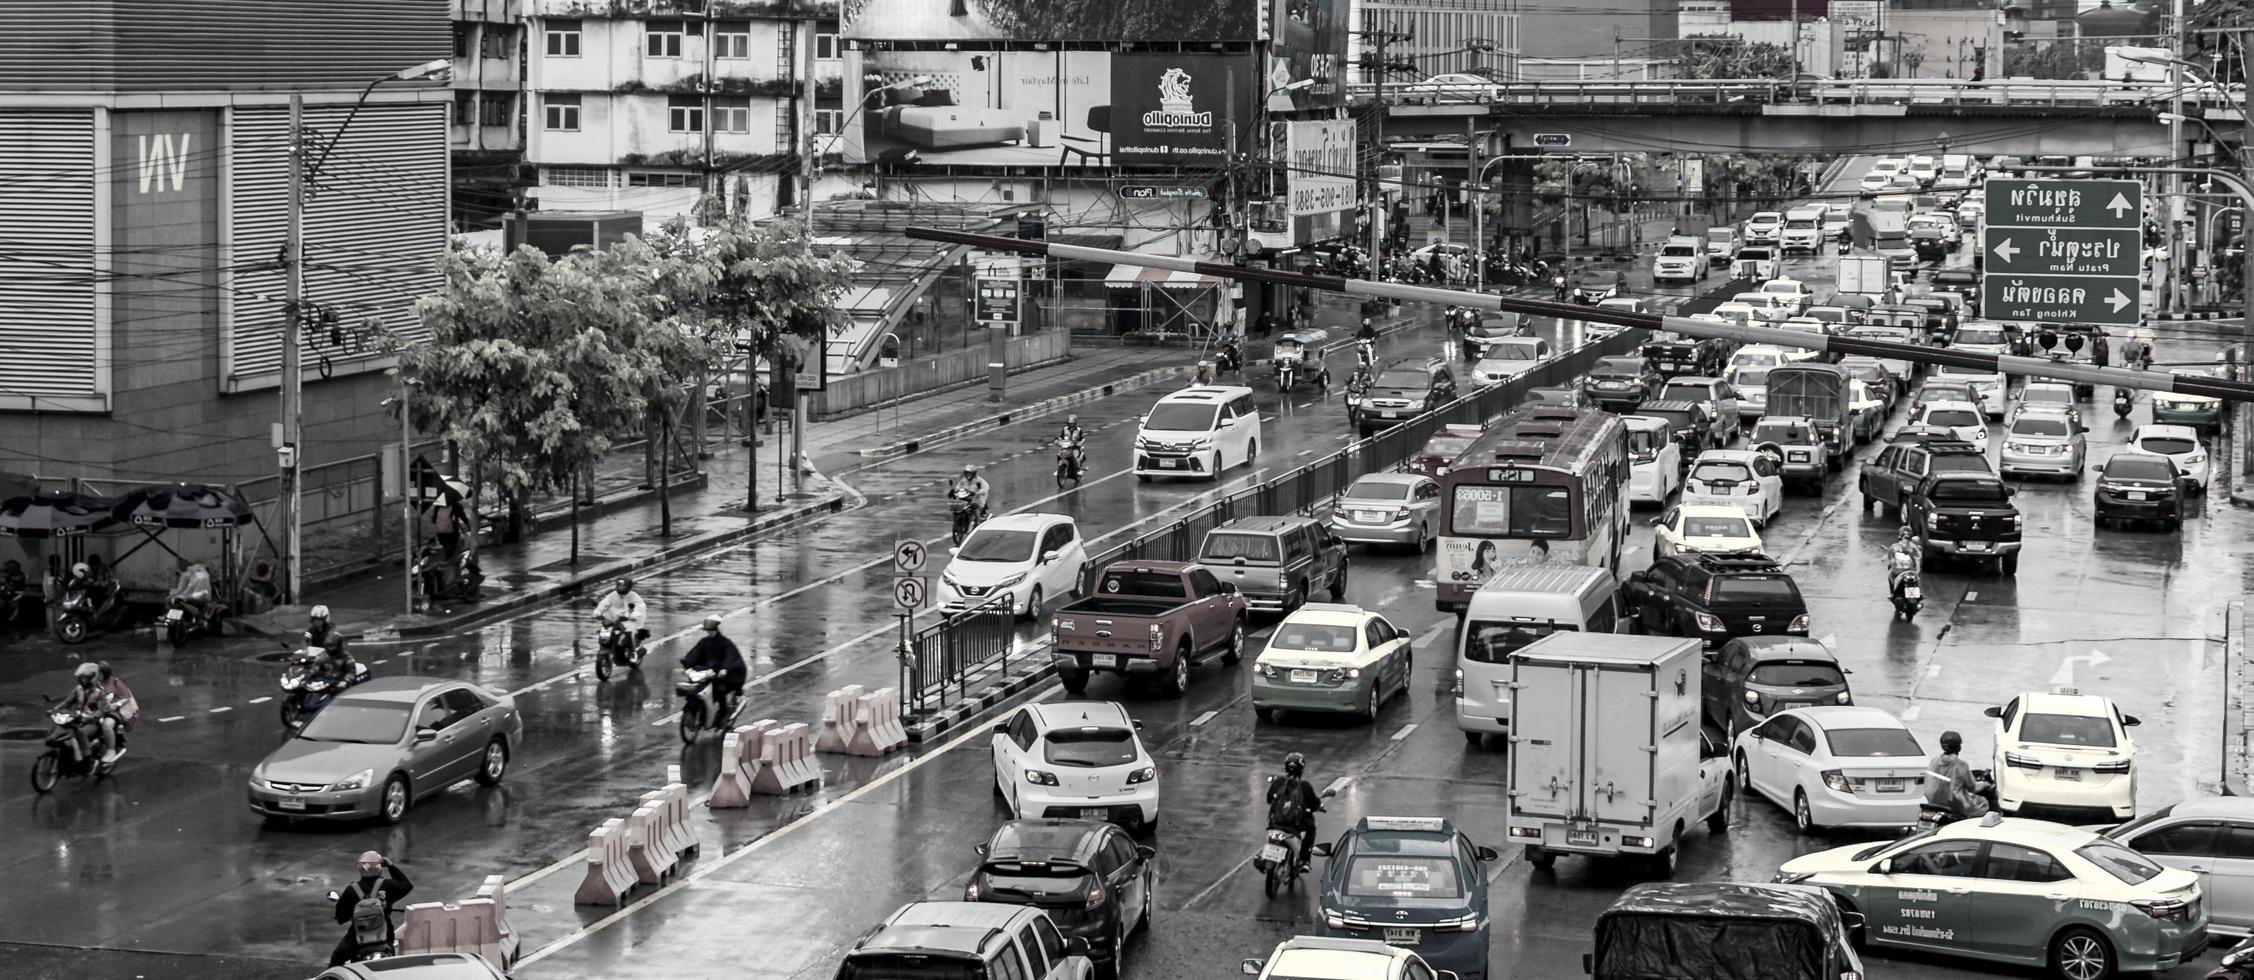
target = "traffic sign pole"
x: 2062, y: 251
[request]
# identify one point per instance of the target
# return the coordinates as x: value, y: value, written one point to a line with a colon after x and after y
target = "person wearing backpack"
x: 364, y: 907
x: 1292, y: 805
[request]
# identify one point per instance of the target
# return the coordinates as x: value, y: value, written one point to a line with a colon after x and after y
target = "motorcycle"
x: 2238, y: 964
x: 1931, y: 815
x: 616, y: 646
x: 1227, y: 359
x: 965, y: 512
x: 185, y: 619
x: 695, y: 689
x: 1068, y: 464
x: 305, y: 693
x: 78, y: 615
x: 73, y: 748
x: 1355, y: 391
x: 2122, y: 402
x: 1279, y: 858
x: 459, y: 578
x: 1908, y: 592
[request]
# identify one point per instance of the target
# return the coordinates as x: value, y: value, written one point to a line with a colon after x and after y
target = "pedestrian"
x: 445, y: 522
x: 51, y: 586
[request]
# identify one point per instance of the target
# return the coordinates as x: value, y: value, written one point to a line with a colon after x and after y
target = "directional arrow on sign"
x: 2005, y: 250
x: 2065, y: 675
x: 2119, y: 204
x: 2117, y: 300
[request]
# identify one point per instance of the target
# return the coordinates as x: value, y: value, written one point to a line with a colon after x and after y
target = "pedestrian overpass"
x: 2011, y: 117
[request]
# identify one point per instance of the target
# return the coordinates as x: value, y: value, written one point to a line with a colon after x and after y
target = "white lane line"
x: 755, y: 846
x: 222, y: 709
x: 379, y: 663
x: 1933, y: 671
x: 1217, y: 883
x: 1425, y: 639
x: 1404, y: 732
x: 1337, y: 784
x: 1202, y: 719
x: 174, y: 718
x: 262, y: 700
x: 1306, y: 452
x: 1973, y: 596
x: 1910, y: 713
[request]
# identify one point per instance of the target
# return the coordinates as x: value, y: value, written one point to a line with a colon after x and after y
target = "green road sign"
x: 2063, y: 251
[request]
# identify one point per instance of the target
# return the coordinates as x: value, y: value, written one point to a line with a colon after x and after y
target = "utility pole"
x: 2171, y: 269
x: 1379, y: 67
x: 806, y: 131
x: 293, y: 356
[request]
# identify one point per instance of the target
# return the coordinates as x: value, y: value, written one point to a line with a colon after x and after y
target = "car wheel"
x: 495, y: 763
x: 1802, y: 817
x: 2079, y: 954
x: 2009, y: 564
x: 1338, y: 584
x: 1663, y: 863
x: 1118, y: 966
x: 394, y: 800
x: 1424, y: 538
x: 1252, y: 453
x: 1142, y: 919
x: 1477, y: 740
x: 1235, y: 652
x: 1718, y: 822
x: 1178, y: 679
x: 1541, y: 859
x: 1744, y: 773
x: 1033, y: 605
x: 1374, y: 702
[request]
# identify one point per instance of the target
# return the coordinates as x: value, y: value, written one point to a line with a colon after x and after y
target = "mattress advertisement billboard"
x: 1307, y: 39
x: 1174, y: 109
x: 990, y: 108
x: 1321, y: 165
x: 1106, y: 21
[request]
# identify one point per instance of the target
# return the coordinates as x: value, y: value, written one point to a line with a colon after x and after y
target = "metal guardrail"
x: 1561, y: 95
x: 918, y: 375
x: 945, y: 654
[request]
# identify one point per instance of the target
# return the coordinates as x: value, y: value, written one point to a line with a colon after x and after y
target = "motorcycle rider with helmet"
x: 978, y: 489
x: 1902, y: 558
x: 330, y: 661
x: 1073, y: 437
x: 1292, y: 805
x: 716, y: 653
x: 1957, y: 790
x: 92, y: 698
x: 625, y: 605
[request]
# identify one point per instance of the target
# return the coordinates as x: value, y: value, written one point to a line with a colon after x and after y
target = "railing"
x: 1564, y: 95
x: 917, y: 376
x: 945, y: 655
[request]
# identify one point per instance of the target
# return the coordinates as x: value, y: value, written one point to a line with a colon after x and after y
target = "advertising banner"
x: 1174, y: 108
x: 1320, y: 171
x: 1012, y: 108
x: 165, y: 188
x: 1308, y: 40
x: 1107, y: 21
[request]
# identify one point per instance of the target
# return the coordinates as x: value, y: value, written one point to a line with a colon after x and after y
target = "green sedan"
x: 1330, y: 657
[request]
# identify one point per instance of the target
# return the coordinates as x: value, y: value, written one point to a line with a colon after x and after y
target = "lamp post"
x: 404, y: 387
x: 291, y: 452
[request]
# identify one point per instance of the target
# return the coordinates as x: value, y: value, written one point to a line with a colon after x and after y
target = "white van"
x: 1803, y: 231
x: 1515, y: 608
x: 1198, y: 431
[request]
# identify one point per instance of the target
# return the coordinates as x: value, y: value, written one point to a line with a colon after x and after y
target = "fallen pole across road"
x: 2039, y: 367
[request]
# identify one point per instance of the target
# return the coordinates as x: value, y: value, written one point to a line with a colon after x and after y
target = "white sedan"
x: 1834, y: 766
x: 1962, y: 418
x: 1709, y: 529
x: 1029, y: 558
x: 2177, y: 442
x: 1739, y: 478
x: 1075, y: 760
x: 2065, y: 750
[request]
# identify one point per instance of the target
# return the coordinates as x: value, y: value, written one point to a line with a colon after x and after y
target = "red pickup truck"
x: 1148, y: 617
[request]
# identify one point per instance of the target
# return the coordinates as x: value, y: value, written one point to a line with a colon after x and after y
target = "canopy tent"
x: 1131, y: 276
x: 55, y: 515
x: 1169, y: 302
x: 182, y: 505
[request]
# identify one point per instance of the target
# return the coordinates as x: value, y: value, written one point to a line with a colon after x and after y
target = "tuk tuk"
x: 1724, y: 929
x: 1301, y: 351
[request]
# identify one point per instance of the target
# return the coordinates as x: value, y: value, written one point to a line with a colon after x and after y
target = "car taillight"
x: 2017, y: 761
x: 1401, y: 514
x: 1458, y: 689
x: 1836, y: 781
x: 1799, y: 622
x: 2163, y: 908
x: 970, y: 891
x: 1283, y: 581
x: 1753, y: 698
x: 1845, y: 698
x: 1709, y: 623
x: 1264, y: 670
x: 1096, y: 895
x: 1157, y: 637
x: 1336, y: 674
x: 2117, y: 766
x: 1039, y: 778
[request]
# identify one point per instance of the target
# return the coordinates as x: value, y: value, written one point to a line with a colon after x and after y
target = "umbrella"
x: 54, y: 515
x: 185, y: 505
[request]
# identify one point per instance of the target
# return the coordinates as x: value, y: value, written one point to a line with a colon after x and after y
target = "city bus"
x: 1544, y: 483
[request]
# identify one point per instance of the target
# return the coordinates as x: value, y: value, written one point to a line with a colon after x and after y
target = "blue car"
x: 1412, y: 882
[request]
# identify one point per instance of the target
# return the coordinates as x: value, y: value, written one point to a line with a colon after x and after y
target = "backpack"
x: 371, y: 917
x: 1289, y: 810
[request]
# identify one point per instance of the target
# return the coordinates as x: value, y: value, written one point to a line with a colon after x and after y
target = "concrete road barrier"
x: 837, y: 719
x: 646, y: 850
x: 608, y: 877
x: 471, y: 926
x: 673, y: 831
x: 495, y: 889
x: 739, y: 762
x: 877, y: 729
x: 786, y: 761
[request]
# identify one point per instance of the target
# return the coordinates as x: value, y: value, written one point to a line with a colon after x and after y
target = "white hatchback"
x: 1709, y: 529
x: 2177, y: 442
x: 1834, y: 766
x: 1076, y: 760
x: 1029, y: 558
x: 1990, y: 385
x: 1740, y: 478
x: 1961, y: 418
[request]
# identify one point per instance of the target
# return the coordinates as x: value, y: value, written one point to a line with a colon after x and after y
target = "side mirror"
x: 1048, y: 556
x: 2011, y: 491
x: 1148, y: 852
x: 1228, y: 588
x: 1076, y: 946
x: 1002, y: 729
x: 2128, y: 721
x: 1757, y: 735
x: 332, y: 896
x: 1137, y: 722
x: 2081, y: 428
x: 1993, y: 711
x: 1852, y: 920
x: 1320, y: 850
x: 1885, y: 867
x: 1250, y: 968
x: 426, y: 735
x: 1589, y: 963
x: 1485, y: 853
x: 980, y: 848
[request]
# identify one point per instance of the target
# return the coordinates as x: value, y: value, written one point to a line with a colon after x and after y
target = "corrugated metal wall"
x: 375, y: 230
x: 155, y: 45
x: 47, y: 254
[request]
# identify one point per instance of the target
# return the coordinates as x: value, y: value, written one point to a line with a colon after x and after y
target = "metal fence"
x: 937, y: 659
x: 933, y: 372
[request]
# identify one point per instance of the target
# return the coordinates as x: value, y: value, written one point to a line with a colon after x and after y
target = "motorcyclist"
x: 1368, y: 331
x: 193, y: 587
x: 976, y: 486
x: 715, y: 652
x: 625, y: 605
x: 94, y: 700
x: 1293, y: 803
x: 101, y: 583
x: 1075, y: 438
x: 377, y: 877
x: 1902, y: 558
x: 327, y: 643
x: 1956, y: 790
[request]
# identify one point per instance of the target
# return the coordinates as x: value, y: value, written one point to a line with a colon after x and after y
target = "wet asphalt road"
x: 166, y: 859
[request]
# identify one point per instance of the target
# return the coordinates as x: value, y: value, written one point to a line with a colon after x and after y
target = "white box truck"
x: 1864, y: 275
x: 1607, y: 755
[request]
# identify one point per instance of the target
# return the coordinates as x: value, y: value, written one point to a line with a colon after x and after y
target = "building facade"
x: 1440, y: 35
x: 144, y: 200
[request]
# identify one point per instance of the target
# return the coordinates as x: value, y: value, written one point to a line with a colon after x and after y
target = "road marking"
x: 222, y: 709
x: 1404, y: 732
x: 1934, y: 670
x: 1217, y: 883
x: 1306, y: 452
x: 748, y: 849
x: 1425, y: 639
x: 174, y: 718
x: 2065, y: 675
x: 1337, y: 784
x: 1202, y: 719
x: 1972, y: 596
x: 262, y: 700
x: 1910, y: 713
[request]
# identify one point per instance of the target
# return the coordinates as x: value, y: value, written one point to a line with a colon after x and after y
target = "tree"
x: 1730, y: 56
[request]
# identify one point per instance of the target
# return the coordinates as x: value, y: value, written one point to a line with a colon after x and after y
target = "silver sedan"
x: 384, y: 744
x: 1388, y: 508
x: 2047, y: 443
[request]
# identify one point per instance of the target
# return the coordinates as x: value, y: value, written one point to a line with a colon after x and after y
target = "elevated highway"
x: 2016, y: 117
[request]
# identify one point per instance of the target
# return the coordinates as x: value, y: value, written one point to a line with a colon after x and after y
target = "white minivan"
x: 1515, y: 608
x: 1198, y: 431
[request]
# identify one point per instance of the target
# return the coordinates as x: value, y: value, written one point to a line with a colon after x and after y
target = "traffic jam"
x: 1822, y: 630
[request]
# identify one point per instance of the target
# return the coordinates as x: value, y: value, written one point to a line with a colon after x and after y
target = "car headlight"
x: 1010, y: 581
x: 2195, y: 461
x: 358, y: 780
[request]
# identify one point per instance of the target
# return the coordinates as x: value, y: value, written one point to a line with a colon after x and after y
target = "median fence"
x: 940, y: 659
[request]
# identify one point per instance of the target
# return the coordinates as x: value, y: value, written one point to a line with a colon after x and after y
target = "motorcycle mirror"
x: 332, y: 896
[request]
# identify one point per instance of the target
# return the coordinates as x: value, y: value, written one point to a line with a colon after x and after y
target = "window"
x: 1005, y: 966
x: 1382, y: 875
x: 493, y: 109
x: 1052, y: 943
x: 731, y: 114
x: 2011, y: 862
x: 496, y: 41
x: 646, y: 179
x: 1494, y: 642
x: 1201, y: 580
x: 664, y: 40
x: 563, y: 39
x: 684, y: 113
x: 576, y: 176
x: 560, y: 112
x: 2187, y: 840
x: 1949, y: 859
x: 1091, y: 748
x: 731, y: 39
x: 2073, y: 730
x: 825, y: 47
x: 829, y: 122
x: 433, y: 715
x: 1034, y: 954
x: 2239, y: 845
x: 465, y: 106
x: 461, y: 40
x: 462, y: 705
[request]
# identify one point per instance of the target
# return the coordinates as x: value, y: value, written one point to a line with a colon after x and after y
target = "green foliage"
x: 1729, y: 56
x: 2060, y: 59
x: 747, y: 283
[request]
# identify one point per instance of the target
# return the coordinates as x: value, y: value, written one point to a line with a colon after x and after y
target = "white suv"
x: 1681, y: 259
x: 1198, y: 431
x: 1803, y: 232
x: 1764, y: 227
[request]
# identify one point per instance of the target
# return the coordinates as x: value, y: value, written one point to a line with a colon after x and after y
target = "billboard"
x: 1778, y: 9
x: 1307, y: 40
x: 1175, y: 109
x: 165, y: 189
x: 1107, y: 21
x: 1321, y: 165
x: 1005, y: 108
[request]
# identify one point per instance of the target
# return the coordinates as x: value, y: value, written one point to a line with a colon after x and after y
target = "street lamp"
x: 399, y: 403
x: 441, y: 70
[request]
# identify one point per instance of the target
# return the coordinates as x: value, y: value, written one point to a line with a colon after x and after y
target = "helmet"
x: 87, y: 674
x: 1951, y: 742
x: 625, y: 585
x: 970, y: 469
x: 712, y: 623
x: 81, y: 570
x: 1295, y: 765
x: 1072, y: 420
x: 319, y: 612
x: 1902, y: 533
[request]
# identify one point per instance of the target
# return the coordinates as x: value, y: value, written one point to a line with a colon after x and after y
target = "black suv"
x: 1888, y: 479
x: 2139, y: 486
x: 1716, y: 598
x: 1092, y: 879
x: 1619, y: 384
x: 1404, y: 390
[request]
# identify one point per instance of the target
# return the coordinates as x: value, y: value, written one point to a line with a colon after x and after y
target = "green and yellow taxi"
x: 2016, y: 891
x: 1412, y: 882
x: 2200, y: 411
x: 1330, y: 657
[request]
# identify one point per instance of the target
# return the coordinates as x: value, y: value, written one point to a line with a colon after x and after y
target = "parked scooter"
x: 185, y: 619
x: 615, y: 647
x: 74, y: 748
x: 695, y: 689
x: 2122, y: 402
x: 443, y: 578
x: 304, y: 693
x: 79, y: 615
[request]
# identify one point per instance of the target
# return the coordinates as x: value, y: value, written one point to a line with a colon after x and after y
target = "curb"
x: 1042, y: 407
x: 934, y: 725
x: 2235, y: 762
x: 2211, y: 315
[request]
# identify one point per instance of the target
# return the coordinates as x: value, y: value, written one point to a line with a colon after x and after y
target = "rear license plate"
x: 1581, y: 836
x: 1889, y: 785
x: 1913, y: 592
x: 174, y: 615
x: 2069, y: 775
x: 1106, y: 660
x: 1094, y: 813
x: 291, y: 803
x: 1670, y: 366
x: 1976, y: 546
x: 1402, y: 936
x: 1272, y: 853
x: 2136, y: 495
x: 1369, y: 516
x: 1303, y: 677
